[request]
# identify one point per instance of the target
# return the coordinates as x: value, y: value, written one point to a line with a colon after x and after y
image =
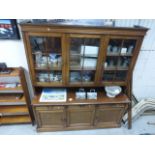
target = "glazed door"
x: 119, y: 59
x: 83, y: 51
x: 46, y: 53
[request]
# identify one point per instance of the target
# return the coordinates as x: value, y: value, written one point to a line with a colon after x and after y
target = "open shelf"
x: 101, y: 99
x: 13, y: 101
x: 15, y: 119
x: 116, y: 69
x: 14, y: 72
x: 48, y: 69
x: 11, y: 90
x: 118, y: 55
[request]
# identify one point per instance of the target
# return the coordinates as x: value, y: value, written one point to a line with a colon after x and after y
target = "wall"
x: 144, y: 72
x: 12, y: 52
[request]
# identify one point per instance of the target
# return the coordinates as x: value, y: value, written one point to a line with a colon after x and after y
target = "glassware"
x: 38, y: 57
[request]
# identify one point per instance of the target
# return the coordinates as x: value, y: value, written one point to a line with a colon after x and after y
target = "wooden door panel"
x: 50, y: 118
x: 79, y: 116
x: 111, y: 116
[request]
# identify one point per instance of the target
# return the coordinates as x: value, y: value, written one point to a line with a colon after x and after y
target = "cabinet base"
x: 48, y: 129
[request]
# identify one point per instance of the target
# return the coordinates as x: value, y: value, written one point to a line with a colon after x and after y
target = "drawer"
x: 14, y: 119
x: 49, y: 108
x: 78, y: 107
x: 13, y: 109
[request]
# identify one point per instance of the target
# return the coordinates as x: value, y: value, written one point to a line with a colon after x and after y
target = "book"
x: 53, y: 95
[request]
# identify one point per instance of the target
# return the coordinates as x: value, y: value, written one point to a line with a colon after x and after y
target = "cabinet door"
x: 119, y: 57
x: 80, y: 116
x: 83, y: 54
x: 46, y: 58
x: 109, y: 116
x: 50, y: 118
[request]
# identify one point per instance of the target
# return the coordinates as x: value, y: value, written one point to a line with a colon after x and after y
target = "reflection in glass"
x: 54, y: 76
x: 75, y: 76
x: 83, y: 57
x: 108, y: 75
x: 88, y: 76
x: 120, y: 75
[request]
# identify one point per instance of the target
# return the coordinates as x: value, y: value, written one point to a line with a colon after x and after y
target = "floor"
x: 139, y: 126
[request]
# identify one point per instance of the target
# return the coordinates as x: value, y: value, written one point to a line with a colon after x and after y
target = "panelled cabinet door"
x: 82, y: 51
x: 108, y: 116
x: 118, y: 58
x: 79, y: 116
x: 50, y: 118
x: 47, y: 58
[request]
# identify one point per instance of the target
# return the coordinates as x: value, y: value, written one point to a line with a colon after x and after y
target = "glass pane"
x: 124, y: 62
x: 120, y: 75
x: 75, y: 76
x: 47, y: 58
x: 108, y: 75
x: 46, y: 51
x: 128, y: 46
x: 88, y: 76
x: 111, y: 63
x: 54, y: 76
x: 46, y: 44
x: 83, y: 59
x: 114, y: 46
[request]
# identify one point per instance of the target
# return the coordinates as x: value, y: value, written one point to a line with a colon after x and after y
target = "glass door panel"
x: 83, y: 59
x: 118, y: 59
x: 47, y: 58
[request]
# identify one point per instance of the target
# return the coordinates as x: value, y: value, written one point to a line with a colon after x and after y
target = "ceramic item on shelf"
x: 105, y: 64
x: 115, y: 49
x: 43, y: 77
x: 130, y: 49
x: 112, y: 91
x: 109, y: 49
x: 38, y: 58
x: 123, y: 50
x: 86, y: 78
x: 92, y: 94
x: 81, y: 94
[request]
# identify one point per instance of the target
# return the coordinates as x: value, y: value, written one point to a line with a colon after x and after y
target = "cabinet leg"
x: 129, y: 117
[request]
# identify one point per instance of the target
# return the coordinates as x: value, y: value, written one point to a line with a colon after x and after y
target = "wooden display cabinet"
x: 15, y: 106
x: 73, y: 57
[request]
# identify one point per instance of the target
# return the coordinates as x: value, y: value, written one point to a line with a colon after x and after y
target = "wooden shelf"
x: 48, y: 69
x: 48, y: 84
x: 47, y: 52
x: 15, y: 119
x: 82, y: 69
x: 11, y: 90
x: 5, y: 102
x: 118, y: 55
x: 14, y: 72
x: 15, y: 109
x: 101, y: 99
x: 116, y: 69
x: 118, y: 83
